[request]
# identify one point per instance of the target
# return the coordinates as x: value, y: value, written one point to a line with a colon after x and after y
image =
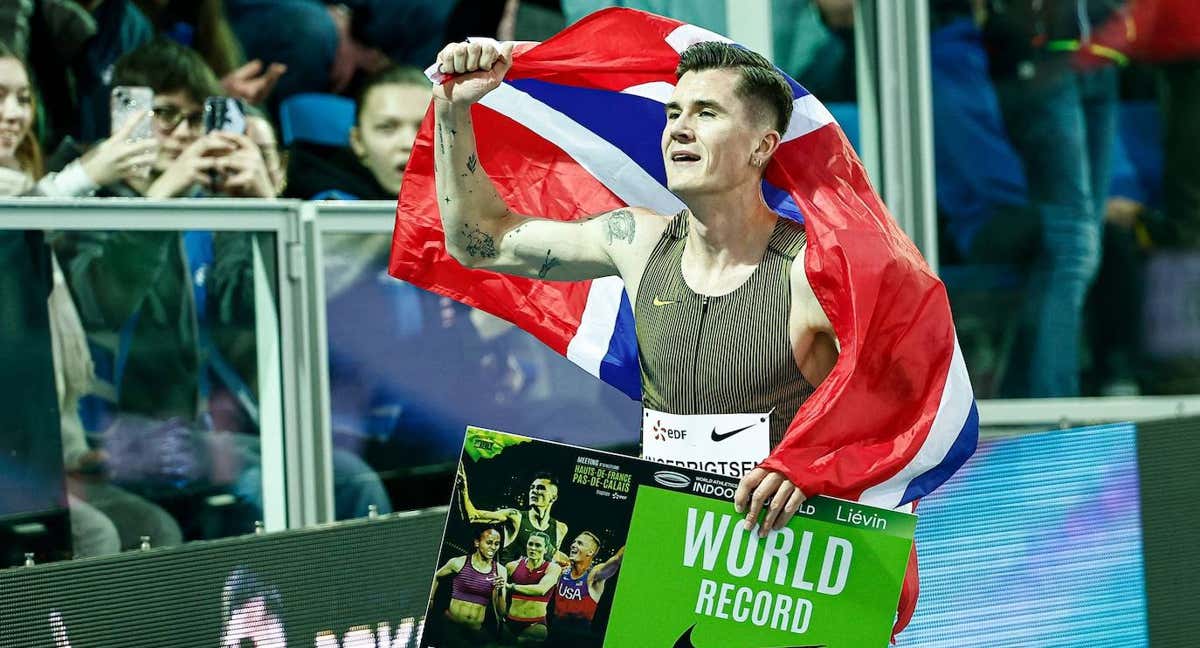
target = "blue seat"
x: 316, y: 118
x: 1137, y: 153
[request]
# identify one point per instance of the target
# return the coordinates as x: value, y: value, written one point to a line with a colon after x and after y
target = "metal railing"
x: 293, y: 367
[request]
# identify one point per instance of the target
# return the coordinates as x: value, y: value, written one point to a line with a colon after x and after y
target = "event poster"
x: 550, y: 544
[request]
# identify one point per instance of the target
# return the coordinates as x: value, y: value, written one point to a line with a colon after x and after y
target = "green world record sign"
x: 694, y: 577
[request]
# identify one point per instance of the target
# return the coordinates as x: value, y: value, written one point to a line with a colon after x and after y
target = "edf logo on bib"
x: 662, y: 433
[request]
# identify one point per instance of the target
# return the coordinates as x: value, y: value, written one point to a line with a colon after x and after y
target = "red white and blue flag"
x: 575, y: 130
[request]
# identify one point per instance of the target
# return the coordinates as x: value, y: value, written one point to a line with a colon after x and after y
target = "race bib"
x: 726, y: 444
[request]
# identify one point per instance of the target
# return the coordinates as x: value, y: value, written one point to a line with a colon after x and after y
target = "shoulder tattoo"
x: 620, y: 226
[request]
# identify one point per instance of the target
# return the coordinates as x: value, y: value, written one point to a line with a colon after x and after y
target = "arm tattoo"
x: 472, y: 162
x: 479, y: 243
x: 547, y: 265
x: 620, y: 226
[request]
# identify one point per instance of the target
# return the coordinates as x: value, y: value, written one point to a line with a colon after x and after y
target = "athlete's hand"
x: 760, y: 486
x: 478, y: 68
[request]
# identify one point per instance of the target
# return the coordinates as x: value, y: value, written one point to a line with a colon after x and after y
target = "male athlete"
x: 519, y: 525
x: 726, y: 320
x: 579, y: 590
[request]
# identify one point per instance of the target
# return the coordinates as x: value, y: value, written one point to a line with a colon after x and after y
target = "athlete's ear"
x: 768, y: 143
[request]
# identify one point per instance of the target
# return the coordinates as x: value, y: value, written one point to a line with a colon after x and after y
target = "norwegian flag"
x: 574, y: 131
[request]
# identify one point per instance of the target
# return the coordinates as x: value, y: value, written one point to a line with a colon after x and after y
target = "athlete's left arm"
x: 499, y: 594
x: 815, y: 346
x: 603, y: 572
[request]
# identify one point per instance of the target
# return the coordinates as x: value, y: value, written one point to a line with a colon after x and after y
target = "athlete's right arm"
x: 452, y: 566
x: 474, y: 515
x: 480, y: 230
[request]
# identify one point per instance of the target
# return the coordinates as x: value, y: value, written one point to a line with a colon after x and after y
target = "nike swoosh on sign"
x: 659, y: 302
x: 722, y: 437
x: 685, y: 641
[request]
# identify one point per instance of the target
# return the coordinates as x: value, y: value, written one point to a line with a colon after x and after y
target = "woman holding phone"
x: 21, y: 168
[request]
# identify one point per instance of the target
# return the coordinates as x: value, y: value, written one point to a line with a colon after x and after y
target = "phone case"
x: 128, y: 101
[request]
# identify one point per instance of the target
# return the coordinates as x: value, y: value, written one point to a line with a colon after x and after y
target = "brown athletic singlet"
x: 720, y: 355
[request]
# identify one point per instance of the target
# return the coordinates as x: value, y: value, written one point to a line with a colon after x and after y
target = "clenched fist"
x: 478, y: 68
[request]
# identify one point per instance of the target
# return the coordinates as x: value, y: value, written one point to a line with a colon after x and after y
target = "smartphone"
x: 224, y: 114
x: 127, y: 102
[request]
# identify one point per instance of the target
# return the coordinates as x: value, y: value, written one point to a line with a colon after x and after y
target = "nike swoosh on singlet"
x: 685, y: 641
x: 722, y: 437
x: 659, y: 302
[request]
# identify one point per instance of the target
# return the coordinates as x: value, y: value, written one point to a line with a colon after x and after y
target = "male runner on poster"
x: 519, y: 525
x: 579, y: 590
x: 726, y: 320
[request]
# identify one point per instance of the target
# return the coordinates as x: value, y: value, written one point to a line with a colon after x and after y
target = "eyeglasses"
x: 168, y: 117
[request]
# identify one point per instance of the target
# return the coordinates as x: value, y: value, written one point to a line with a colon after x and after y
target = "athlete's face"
x: 488, y: 543
x: 711, y: 135
x: 535, y: 549
x: 542, y: 493
x: 583, y: 547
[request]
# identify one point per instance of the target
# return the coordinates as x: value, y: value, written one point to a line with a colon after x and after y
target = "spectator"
x: 21, y: 166
x: 1062, y: 124
x: 189, y: 162
x: 182, y: 306
x: 390, y: 109
x: 391, y: 106
x: 1167, y: 33
x: 982, y: 196
x: 105, y: 518
x: 262, y: 133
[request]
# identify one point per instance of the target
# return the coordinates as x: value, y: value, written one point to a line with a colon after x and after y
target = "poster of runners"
x: 554, y: 545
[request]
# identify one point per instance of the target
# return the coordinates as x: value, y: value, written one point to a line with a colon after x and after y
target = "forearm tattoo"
x: 478, y: 243
x: 472, y: 162
x: 620, y: 226
x: 547, y: 265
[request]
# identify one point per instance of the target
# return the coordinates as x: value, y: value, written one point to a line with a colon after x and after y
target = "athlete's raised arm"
x: 481, y: 231
x: 482, y: 516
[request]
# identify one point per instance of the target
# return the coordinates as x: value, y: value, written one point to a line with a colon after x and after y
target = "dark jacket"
x: 1019, y: 33
x: 75, y: 88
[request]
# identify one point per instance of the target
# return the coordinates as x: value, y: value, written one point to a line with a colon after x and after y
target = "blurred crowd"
x: 1068, y: 204
x: 1062, y: 132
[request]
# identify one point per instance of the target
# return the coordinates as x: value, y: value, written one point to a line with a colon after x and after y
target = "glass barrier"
x: 409, y: 370
x: 140, y: 373
x: 1066, y: 239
